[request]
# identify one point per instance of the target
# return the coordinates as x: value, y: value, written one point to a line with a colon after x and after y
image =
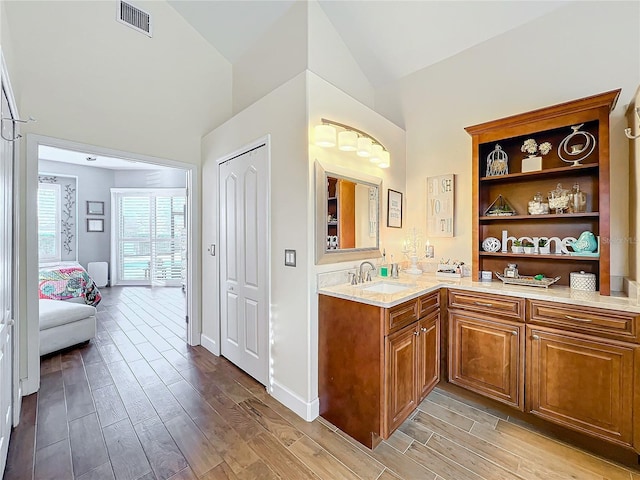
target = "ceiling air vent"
x: 135, y: 18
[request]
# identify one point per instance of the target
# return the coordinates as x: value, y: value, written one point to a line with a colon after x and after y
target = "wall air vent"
x: 135, y: 18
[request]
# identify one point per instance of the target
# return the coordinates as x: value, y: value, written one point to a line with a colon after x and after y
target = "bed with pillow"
x: 67, y: 281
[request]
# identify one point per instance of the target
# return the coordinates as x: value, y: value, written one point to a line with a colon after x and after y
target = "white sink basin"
x: 386, y: 287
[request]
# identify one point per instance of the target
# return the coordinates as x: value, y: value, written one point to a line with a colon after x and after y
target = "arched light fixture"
x: 351, y: 139
x: 348, y: 141
x: 385, y: 159
x: 364, y: 147
x: 325, y: 135
x: 376, y: 151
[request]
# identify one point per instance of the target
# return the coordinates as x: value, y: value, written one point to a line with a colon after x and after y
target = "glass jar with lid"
x: 511, y: 271
x: 578, y: 202
x: 559, y: 199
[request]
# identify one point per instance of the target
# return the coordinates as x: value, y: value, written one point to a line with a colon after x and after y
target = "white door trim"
x: 32, y: 382
x: 17, y: 388
x: 266, y: 141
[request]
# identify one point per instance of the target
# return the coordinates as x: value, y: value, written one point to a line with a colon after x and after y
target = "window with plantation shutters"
x: 49, y: 236
x: 149, y: 236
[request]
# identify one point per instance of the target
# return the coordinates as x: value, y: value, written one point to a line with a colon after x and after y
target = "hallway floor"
x: 138, y: 403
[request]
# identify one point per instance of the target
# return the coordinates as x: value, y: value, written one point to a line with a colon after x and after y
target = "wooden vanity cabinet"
x: 411, y: 368
x: 581, y: 382
x: 486, y: 345
x: 376, y: 364
x: 581, y: 364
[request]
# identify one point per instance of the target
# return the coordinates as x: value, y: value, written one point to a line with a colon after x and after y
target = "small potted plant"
x: 528, y: 247
x: 543, y: 246
x: 516, y: 246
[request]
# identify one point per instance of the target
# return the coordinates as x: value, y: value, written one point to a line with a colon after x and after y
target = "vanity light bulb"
x: 376, y: 150
x: 325, y: 135
x: 385, y: 159
x: 364, y: 147
x: 348, y: 141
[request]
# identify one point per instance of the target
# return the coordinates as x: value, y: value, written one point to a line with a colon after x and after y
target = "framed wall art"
x: 95, y: 225
x: 95, y: 208
x: 394, y: 209
x: 440, y: 213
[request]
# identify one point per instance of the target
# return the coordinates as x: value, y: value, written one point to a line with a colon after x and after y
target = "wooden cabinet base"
x: 581, y: 383
x: 487, y: 357
x: 376, y: 364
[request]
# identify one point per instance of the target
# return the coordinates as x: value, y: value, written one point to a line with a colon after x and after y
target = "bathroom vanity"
x: 569, y: 358
x: 376, y: 364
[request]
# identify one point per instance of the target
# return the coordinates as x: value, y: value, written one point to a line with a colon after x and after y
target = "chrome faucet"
x: 368, y: 277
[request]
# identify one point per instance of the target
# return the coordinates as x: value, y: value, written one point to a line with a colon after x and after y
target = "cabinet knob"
x: 416, y: 333
x: 424, y: 329
x: 515, y: 332
x: 535, y: 337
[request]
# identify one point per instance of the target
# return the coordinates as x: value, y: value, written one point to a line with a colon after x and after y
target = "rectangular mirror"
x: 347, y: 215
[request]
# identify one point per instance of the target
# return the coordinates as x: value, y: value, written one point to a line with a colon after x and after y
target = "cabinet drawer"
x: 598, y: 321
x: 494, y: 305
x: 428, y: 303
x: 401, y: 315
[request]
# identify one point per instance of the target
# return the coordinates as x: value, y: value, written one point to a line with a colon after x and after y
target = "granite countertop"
x: 418, y: 285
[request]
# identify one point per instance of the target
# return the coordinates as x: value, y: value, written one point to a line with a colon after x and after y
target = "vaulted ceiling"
x: 388, y: 39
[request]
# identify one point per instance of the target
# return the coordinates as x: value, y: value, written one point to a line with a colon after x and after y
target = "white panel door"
x: 6, y: 280
x: 244, y: 307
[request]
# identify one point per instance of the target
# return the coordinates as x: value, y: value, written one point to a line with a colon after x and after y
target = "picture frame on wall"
x: 394, y: 209
x: 95, y: 225
x: 95, y: 208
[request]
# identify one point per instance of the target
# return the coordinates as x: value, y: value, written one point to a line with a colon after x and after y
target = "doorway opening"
x: 129, y: 249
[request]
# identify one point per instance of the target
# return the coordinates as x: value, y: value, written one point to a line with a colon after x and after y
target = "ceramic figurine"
x: 586, y: 242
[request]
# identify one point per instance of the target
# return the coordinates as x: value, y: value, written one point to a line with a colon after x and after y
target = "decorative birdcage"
x: 497, y: 162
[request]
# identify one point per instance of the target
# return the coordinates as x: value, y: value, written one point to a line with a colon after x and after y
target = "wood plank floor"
x: 138, y: 403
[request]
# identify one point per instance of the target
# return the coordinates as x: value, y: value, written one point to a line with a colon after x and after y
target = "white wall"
x: 93, y: 184
x: 325, y: 100
x: 89, y: 79
x: 165, y: 178
x: 330, y: 58
x: 581, y: 49
x: 634, y: 188
x: 282, y: 115
x: 276, y: 57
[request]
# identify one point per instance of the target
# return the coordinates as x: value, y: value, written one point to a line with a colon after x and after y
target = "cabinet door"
x: 400, y: 374
x: 487, y: 357
x: 582, y: 383
x: 428, y: 353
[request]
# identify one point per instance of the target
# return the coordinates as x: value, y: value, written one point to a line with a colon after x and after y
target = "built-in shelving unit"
x: 551, y: 124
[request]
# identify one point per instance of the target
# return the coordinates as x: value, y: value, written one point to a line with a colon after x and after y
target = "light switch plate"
x: 289, y: 258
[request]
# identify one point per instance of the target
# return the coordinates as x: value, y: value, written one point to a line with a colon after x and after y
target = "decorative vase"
x: 546, y: 250
x: 517, y: 249
x: 529, y: 250
x: 533, y: 163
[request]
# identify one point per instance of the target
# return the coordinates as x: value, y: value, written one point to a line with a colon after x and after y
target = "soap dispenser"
x: 384, y: 270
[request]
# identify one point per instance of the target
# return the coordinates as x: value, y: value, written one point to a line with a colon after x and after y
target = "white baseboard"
x: 210, y: 344
x: 29, y: 387
x: 307, y: 410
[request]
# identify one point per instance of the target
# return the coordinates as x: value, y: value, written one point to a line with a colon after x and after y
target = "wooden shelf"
x: 550, y: 124
x: 549, y: 172
x: 534, y: 256
x: 551, y: 216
